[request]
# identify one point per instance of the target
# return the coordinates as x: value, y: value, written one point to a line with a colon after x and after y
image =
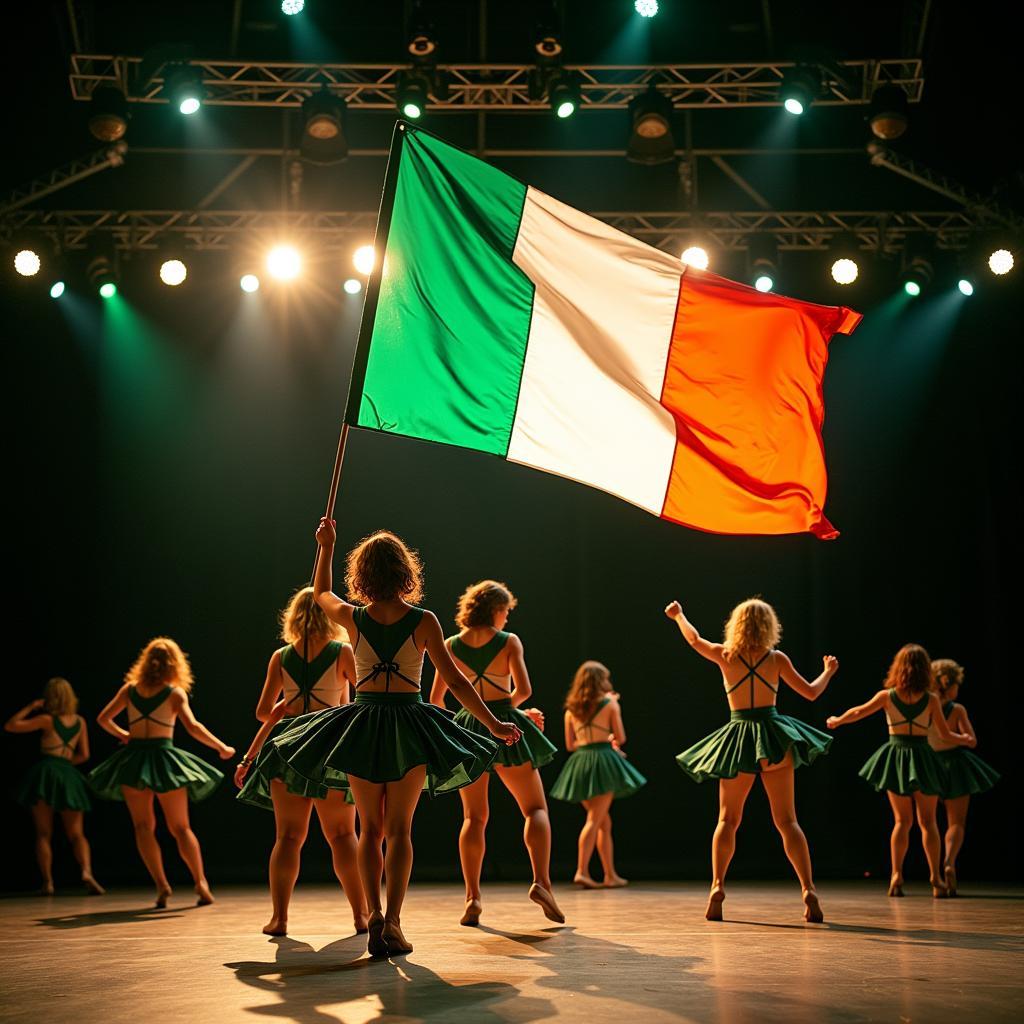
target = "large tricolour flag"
x: 504, y: 321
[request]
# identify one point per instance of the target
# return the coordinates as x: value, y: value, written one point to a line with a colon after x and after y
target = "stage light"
x: 763, y: 256
x: 801, y: 86
x: 888, y: 115
x: 173, y: 272
x: 845, y: 270
x: 966, y: 286
x: 564, y: 94
x: 292, y: 7
x: 918, y: 266
x: 323, y: 134
x: 184, y: 87
x: 364, y: 259
x: 27, y: 262
x: 912, y: 288
x: 764, y: 282
x: 284, y: 262
x: 101, y: 270
x: 646, y: 8
x: 696, y: 256
x: 651, y: 141
x: 353, y: 286
x: 56, y: 289
x: 422, y: 43
x: 548, y: 46
x: 1000, y: 262
x: 249, y: 283
x: 108, y: 114
x: 108, y: 290
x: 413, y: 90
x: 844, y: 258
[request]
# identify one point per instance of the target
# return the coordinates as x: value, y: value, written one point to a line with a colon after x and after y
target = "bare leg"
x: 956, y: 823
x: 473, y: 843
x: 732, y: 795
x: 400, y: 800
x: 73, y: 829
x: 42, y: 818
x: 606, y: 854
x: 778, y: 784
x: 926, y: 807
x: 524, y: 783
x: 140, y: 807
x: 338, y: 822
x: 369, y: 797
x: 903, y: 816
x: 291, y: 823
x: 597, y: 808
x: 174, y: 804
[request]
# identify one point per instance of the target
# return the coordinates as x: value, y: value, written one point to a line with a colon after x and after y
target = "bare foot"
x: 276, y: 926
x: 939, y: 890
x: 396, y: 942
x: 359, y: 922
x: 203, y: 895
x: 471, y: 915
x: 584, y: 881
x: 543, y: 898
x: 94, y: 887
x: 375, y: 944
x: 812, y: 908
x: 162, y: 896
x: 951, y: 880
x: 615, y: 882
x: 896, y: 886
x: 46, y: 889
x: 715, y: 900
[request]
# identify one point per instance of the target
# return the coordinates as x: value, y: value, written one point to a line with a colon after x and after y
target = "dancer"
x: 52, y: 783
x: 597, y: 770
x: 906, y: 766
x: 387, y: 742
x: 314, y: 670
x: 494, y: 660
x: 154, y: 696
x: 756, y: 741
x: 964, y: 773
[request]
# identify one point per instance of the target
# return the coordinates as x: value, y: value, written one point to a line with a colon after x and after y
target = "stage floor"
x: 643, y: 955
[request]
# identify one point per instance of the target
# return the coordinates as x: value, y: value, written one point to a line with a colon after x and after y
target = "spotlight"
x: 801, y: 86
x: 918, y: 266
x: 101, y: 271
x: 564, y: 93
x: 353, y: 286
x: 650, y: 140
x: 413, y: 90
x: 888, y: 115
x: 1000, y: 261
x: 420, y: 33
x: 695, y: 256
x: 249, y: 283
x: 184, y: 87
x: 422, y: 45
x: 173, y: 272
x: 763, y: 254
x: 323, y: 133
x: 56, y: 289
x: 284, y: 262
x: 548, y: 46
x: 27, y: 262
x: 108, y: 290
x: 844, y: 264
x: 966, y: 286
x: 364, y: 259
x: 292, y: 7
x: 646, y: 8
x: 108, y: 114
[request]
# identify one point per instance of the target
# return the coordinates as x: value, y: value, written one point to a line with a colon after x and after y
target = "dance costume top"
x: 147, y: 708
x: 590, y: 724
x: 311, y: 685
x: 938, y: 744
x: 387, y: 654
x: 911, y: 714
x: 753, y: 676
x: 479, y: 660
x: 65, y: 745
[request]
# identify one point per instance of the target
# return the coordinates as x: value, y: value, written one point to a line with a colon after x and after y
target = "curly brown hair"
x: 159, y: 663
x: 947, y: 674
x: 752, y: 626
x: 382, y: 567
x: 481, y: 601
x: 591, y: 682
x: 911, y: 670
x: 293, y: 619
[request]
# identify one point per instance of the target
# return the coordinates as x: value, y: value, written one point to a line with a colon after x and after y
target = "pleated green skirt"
x: 256, y: 789
x: 593, y: 769
x: 964, y: 773
x: 155, y: 764
x: 905, y: 765
x: 750, y: 736
x: 533, y: 748
x: 379, y: 737
x: 57, y: 783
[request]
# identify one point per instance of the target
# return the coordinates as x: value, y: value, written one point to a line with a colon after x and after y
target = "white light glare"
x: 27, y: 263
x: 764, y: 283
x: 845, y: 271
x: 189, y: 105
x: 249, y: 283
x: 912, y: 288
x: 1001, y: 262
x: 696, y: 256
x: 284, y: 262
x: 173, y: 272
x: 353, y: 286
x: 565, y: 109
x: 412, y: 110
x: 292, y: 6
x: 794, y: 106
x: 56, y: 289
x: 965, y: 286
x: 646, y: 8
x: 364, y: 259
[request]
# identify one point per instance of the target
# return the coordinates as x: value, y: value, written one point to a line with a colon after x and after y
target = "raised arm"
x: 462, y: 689
x: 570, y: 733
x: 795, y: 681
x: 272, y: 687
x: 705, y: 648
x: 275, y: 716
x: 861, y: 711
x: 29, y: 719
x: 336, y: 609
x: 941, y: 726
x: 106, y: 717
x: 195, y: 728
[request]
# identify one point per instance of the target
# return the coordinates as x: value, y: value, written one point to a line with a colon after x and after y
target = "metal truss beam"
x: 504, y: 87
x: 66, y: 174
x: 222, y: 230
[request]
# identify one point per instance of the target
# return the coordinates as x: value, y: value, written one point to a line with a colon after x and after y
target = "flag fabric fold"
x: 510, y: 323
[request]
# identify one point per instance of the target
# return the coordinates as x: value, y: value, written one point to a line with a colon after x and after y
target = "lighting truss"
x: 493, y: 86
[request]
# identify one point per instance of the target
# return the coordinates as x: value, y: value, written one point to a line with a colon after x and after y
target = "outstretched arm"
x: 861, y: 711
x: 795, y: 681
x: 195, y: 728
x: 336, y: 609
x: 275, y: 716
x: 81, y: 754
x: 115, y: 707
x: 942, y: 726
x: 705, y: 648
x: 29, y: 719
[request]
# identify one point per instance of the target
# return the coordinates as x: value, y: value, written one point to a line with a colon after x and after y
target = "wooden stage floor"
x: 643, y: 955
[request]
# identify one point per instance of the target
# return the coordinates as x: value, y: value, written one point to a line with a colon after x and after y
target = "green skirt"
x: 155, y: 764
x: 56, y: 782
x: 964, y: 773
x: 905, y: 765
x: 593, y: 769
x: 533, y: 748
x: 379, y: 737
x: 256, y: 789
x: 750, y: 736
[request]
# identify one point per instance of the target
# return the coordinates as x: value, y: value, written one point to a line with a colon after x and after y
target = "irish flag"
x: 504, y: 321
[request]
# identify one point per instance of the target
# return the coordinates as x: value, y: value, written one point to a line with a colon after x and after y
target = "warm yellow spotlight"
x: 284, y: 262
x: 364, y: 259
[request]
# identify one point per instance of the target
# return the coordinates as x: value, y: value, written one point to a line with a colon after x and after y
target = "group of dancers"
x: 345, y: 730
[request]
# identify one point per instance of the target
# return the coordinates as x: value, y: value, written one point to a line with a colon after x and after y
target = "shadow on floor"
x: 93, y: 918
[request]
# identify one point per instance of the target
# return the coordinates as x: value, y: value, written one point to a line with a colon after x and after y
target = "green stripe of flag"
x: 452, y: 320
